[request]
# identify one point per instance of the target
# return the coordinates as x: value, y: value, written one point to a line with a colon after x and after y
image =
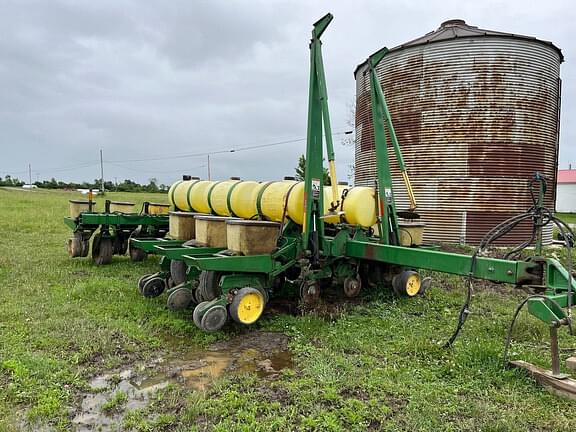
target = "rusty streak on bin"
x: 476, y: 113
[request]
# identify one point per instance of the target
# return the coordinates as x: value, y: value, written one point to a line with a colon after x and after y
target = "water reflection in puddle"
x: 261, y: 352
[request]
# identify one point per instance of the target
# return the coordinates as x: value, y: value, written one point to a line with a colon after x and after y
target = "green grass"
x: 115, y: 402
x: 567, y: 217
x: 378, y: 367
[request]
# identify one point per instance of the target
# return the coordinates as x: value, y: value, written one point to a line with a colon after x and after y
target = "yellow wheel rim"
x: 413, y: 285
x: 250, y: 308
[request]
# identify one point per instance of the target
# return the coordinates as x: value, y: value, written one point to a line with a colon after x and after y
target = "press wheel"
x: 143, y: 279
x: 197, y: 314
x: 153, y: 286
x: 214, y: 319
x: 102, y: 249
x: 136, y: 254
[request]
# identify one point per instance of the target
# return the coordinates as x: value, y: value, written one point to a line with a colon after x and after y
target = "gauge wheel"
x: 74, y: 247
x: 208, y: 285
x: 247, y: 306
x: 178, y: 271
x: 137, y: 254
x: 102, y: 249
x: 120, y: 245
x: 180, y: 299
x: 85, y: 247
x: 407, y: 284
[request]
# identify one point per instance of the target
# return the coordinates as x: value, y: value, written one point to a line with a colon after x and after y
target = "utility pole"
x: 30, y: 175
x: 101, y: 172
x: 208, y: 166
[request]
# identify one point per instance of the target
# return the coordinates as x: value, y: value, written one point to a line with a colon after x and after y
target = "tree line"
x: 125, y: 186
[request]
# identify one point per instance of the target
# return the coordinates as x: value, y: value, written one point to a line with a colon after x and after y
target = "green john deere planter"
x: 220, y: 285
x: 112, y: 230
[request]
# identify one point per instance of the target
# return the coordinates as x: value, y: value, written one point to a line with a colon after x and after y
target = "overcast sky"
x: 146, y: 79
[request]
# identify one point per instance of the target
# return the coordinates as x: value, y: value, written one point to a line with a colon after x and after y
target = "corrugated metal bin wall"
x: 475, y: 117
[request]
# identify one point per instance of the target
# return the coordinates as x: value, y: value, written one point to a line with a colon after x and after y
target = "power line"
x: 173, y: 170
x: 232, y: 150
x: 86, y: 164
x: 52, y: 170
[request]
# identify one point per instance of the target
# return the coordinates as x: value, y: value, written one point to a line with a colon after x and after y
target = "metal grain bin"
x: 476, y: 113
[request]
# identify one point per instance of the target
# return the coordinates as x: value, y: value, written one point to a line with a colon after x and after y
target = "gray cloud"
x: 156, y: 78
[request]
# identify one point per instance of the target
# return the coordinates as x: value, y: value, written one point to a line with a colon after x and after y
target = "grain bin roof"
x: 456, y: 29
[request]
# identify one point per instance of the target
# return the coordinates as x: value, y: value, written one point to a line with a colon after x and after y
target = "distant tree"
x: 301, y: 171
x: 152, y: 186
x: 10, y: 181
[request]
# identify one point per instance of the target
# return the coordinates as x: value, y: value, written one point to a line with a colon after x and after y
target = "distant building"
x: 566, y: 191
x: 85, y: 191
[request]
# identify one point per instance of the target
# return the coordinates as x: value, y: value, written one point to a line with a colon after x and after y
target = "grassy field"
x: 377, y: 364
x: 567, y: 217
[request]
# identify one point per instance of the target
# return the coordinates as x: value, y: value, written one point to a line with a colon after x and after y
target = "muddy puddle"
x: 113, y: 394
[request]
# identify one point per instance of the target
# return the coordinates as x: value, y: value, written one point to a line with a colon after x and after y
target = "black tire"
x: 180, y: 299
x: 137, y: 255
x: 142, y: 280
x: 407, y: 284
x: 352, y: 286
x: 74, y: 247
x: 85, y: 247
x: 153, y: 286
x: 102, y: 248
x: 195, y: 296
x: 120, y: 245
x: 214, y: 319
x: 178, y: 271
x: 208, y: 285
x: 257, y: 306
x: 310, y: 292
x: 197, y: 314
